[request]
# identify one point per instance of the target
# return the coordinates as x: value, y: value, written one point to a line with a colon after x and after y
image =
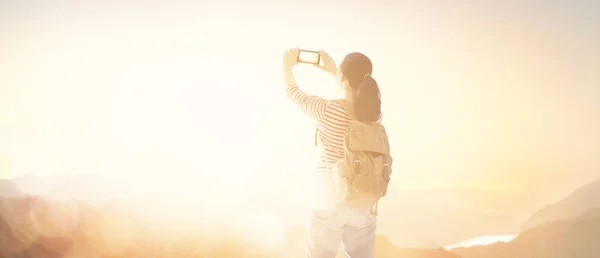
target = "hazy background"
x: 502, y: 96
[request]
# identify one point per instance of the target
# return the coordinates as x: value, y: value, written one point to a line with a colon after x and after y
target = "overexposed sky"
x: 476, y: 94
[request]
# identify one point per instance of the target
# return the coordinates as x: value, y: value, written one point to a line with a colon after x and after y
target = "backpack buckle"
x: 357, y: 166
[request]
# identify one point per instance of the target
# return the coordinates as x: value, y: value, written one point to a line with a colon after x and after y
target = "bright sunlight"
x: 158, y: 126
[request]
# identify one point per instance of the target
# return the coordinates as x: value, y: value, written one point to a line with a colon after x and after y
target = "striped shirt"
x: 332, y: 122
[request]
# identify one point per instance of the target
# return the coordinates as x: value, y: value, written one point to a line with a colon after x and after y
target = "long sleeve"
x: 313, y: 106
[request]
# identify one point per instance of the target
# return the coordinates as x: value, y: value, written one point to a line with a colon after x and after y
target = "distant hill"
x: 92, y: 189
x: 8, y: 189
x: 31, y: 184
x: 426, y: 219
x: 571, y: 238
x: 424, y: 222
x: 384, y: 248
x: 578, y: 202
x: 517, y: 204
x: 421, y: 219
x: 34, y: 227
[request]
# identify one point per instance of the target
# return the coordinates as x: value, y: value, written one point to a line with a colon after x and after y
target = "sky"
x: 476, y: 94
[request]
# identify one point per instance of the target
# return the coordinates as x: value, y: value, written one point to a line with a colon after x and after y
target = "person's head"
x: 360, y: 87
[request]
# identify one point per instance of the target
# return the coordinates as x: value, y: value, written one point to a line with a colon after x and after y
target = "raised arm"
x: 313, y: 106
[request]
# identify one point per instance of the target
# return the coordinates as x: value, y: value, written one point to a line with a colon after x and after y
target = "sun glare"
x: 263, y: 228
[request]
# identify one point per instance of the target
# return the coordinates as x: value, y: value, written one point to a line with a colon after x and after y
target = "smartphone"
x: 309, y: 57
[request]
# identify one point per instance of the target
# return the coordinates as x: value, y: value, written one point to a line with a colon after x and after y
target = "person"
x: 332, y: 223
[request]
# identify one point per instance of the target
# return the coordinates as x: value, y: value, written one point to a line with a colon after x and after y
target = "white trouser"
x: 332, y: 223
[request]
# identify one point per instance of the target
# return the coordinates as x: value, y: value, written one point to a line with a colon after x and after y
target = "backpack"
x: 362, y: 176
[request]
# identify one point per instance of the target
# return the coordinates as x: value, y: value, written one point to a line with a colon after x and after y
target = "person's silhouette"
x: 332, y: 222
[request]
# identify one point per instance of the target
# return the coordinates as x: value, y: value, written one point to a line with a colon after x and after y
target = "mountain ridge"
x: 574, y: 237
x: 576, y: 203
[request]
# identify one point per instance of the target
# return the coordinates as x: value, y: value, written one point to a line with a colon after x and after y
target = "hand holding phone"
x: 327, y: 63
x: 309, y: 57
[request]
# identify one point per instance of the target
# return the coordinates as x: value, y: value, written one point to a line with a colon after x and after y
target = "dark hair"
x: 357, y: 68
